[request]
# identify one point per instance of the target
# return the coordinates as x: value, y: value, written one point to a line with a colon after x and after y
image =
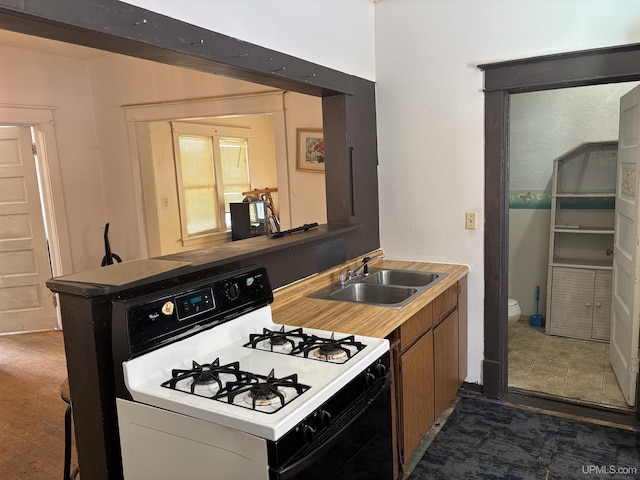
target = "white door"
x: 25, y: 302
x: 625, y: 312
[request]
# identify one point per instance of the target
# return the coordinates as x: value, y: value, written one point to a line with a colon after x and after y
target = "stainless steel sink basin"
x: 373, y: 294
x: 382, y: 287
x: 407, y: 278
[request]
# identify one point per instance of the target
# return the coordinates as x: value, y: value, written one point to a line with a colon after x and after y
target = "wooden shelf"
x: 585, y: 195
x: 581, y: 233
x: 592, y: 230
x: 590, y: 264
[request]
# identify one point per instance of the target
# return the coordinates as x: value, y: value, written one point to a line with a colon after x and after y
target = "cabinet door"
x: 445, y: 347
x: 571, y: 302
x: 416, y: 377
x: 602, y: 306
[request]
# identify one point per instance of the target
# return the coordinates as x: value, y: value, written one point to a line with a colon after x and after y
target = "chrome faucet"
x: 364, y: 266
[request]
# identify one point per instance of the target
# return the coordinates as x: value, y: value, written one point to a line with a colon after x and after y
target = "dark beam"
x: 128, y: 30
x: 588, y: 67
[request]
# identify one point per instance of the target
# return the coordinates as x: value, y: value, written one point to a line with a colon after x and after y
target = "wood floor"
x: 32, y: 367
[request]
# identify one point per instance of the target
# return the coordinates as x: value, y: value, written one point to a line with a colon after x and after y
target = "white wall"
x: 307, y: 190
x: 36, y: 79
x: 431, y: 116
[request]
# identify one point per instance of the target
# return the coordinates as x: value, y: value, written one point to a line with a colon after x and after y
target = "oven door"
x: 357, y: 445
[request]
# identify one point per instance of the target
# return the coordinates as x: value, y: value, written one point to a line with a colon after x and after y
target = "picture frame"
x: 310, y: 150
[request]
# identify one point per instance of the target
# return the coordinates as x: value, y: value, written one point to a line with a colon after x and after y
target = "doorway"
x: 503, y: 79
x: 543, y: 126
x: 31, y: 211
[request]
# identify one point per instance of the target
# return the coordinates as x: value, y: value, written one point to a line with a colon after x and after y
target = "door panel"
x: 625, y: 315
x: 25, y: 302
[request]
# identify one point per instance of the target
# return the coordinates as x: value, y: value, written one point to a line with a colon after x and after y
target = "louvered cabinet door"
x: 602, y: 306
x: 572, y: 302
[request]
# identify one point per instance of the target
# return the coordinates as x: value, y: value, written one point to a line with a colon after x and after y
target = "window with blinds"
x: 234, y: 159
x: 212, y: 170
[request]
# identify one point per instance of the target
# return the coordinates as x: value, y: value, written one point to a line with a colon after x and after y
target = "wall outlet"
x: 471, y: 220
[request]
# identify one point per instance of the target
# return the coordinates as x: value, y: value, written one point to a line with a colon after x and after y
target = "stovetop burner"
x: 280, y: 341
x: 297, y: 342
x: 264, y: 393
x: 203, y: 376
x: 329, y: 349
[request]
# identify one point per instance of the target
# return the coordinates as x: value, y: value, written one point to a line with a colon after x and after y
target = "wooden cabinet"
x: 445, y: 350
x: 428, y: 357
x: 416, y: 393
x: 581, y: 242
x: 581, y: 303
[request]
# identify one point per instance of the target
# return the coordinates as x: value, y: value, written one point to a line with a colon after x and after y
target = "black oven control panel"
x: 143, y: 323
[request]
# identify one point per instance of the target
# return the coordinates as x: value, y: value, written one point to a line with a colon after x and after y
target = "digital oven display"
x: 195, y: 303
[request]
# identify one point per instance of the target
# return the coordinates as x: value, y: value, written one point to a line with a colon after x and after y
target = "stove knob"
x: 380, y: 370
x: 369, y: 378
x: 307, y: 432
x: 324, y: 417
x: 233, y: 291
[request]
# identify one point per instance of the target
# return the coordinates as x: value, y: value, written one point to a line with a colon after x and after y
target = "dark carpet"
x: 488, y: 440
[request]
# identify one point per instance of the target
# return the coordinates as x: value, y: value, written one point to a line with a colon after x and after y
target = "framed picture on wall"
x: 310, y: 151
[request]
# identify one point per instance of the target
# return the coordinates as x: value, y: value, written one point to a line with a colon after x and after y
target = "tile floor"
x: 561, y: 366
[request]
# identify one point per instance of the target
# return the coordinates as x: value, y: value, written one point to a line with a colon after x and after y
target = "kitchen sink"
x: 373, y: 294
x: 381, y: 287
x: 407, y: 278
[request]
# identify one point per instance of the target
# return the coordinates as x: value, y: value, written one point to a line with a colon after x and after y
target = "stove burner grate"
x: 263, y: 393
x: 329, y: 349
x: 276, y: 338
x: 204, y: 374
x: 262, y: 390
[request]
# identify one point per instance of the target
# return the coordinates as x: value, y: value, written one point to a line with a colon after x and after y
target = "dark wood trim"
x: 111, y: 25
x: 496, y: 241
x: 93, y: 391
x: 588, y: 67
x: 585, y: 410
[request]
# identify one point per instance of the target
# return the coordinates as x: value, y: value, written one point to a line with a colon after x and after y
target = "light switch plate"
x: 471, y: 220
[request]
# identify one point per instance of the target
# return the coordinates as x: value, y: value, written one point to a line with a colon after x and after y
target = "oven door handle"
x: 353, y: 414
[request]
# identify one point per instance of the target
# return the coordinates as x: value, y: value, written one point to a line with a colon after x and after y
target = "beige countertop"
x: 291, y: 305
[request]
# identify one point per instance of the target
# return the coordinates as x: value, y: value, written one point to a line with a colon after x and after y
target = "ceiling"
x: 30, y: 42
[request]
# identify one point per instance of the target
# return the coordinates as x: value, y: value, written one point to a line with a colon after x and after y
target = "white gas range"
x: 209, y: 379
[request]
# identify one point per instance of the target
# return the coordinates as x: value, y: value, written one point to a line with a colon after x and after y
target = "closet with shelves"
x: 581, y: 242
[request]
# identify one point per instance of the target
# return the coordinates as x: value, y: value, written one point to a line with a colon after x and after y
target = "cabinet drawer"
x: 445, y: 303
x: 416, y: 326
